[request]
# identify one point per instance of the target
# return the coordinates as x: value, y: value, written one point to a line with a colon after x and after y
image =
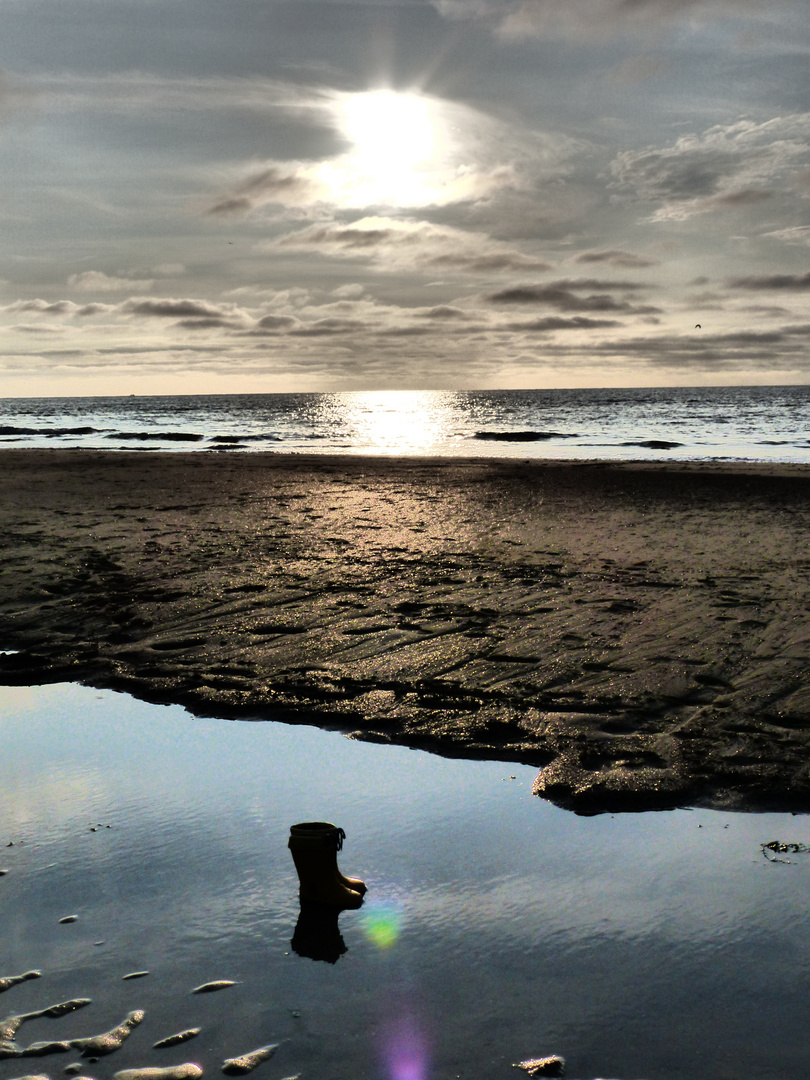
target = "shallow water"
x: 497, y: 927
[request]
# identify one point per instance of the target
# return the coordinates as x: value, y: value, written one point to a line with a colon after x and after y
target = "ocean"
x: 737, y: 423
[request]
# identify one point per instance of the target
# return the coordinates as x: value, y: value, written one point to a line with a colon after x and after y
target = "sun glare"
x: 395, y: 421
x: 398, y: 150
x: 386, y: 127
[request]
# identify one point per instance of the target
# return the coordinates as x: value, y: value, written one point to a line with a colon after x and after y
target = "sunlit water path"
x: 497, y: 927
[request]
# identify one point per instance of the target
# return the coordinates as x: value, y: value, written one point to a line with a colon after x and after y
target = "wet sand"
x: 639, y: 632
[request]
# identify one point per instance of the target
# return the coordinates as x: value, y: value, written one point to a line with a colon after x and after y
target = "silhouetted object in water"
x: 314, y: 846
x: 317, y: 935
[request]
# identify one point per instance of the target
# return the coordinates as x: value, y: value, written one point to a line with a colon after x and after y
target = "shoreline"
x: 638, y: 631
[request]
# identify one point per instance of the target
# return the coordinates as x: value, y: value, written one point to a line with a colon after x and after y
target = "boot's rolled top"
x: 317, y: 834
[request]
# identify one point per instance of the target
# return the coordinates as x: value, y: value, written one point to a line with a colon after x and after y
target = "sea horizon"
x: 692, y: 423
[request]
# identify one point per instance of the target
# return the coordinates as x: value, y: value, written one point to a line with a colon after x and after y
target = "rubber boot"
x: 326, y: 828
x: 314, y: 846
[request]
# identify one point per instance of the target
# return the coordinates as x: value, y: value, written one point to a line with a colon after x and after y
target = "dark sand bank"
x: 639, y: 632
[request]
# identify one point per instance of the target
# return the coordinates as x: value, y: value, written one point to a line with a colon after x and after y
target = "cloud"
x: 186, y: 309
x: 37, y: 328
x: 344, y: 183
x: 783, y: 348
x: 795, y: 234
x: 94, y: 308
x: 172, y: 309
x: 724, y: 166
x: 350, y: 291
x: 405, y: 331
x: 273, y: 325
x: 142, y: 93
x: 743, y: 197
x: 294, y: 297
x: 613, y: 257
x: 489, y: 263
x: 211, y: 323
x: 359, y: 315
x: 13, y: 96
x: 556, y: 322
x: 44, y: 307
x: 443, y: 312
x: 60, y: 307
x: 365, y: 235
x: 319, y: 159
x: 393, y: 243
x: 289, y: 186
x: 773, y: 282
x: 403, y: 149
x: 518, y: 19
x: 329, y: 327
x: 636, y: 69
x: 98, y: 281
x: 768, y: 311
x: 562, y: 296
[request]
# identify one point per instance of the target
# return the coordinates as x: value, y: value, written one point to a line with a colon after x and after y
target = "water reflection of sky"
x: 496, y: 926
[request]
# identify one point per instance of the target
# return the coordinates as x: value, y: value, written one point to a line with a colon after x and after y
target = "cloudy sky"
x: 239, y: 195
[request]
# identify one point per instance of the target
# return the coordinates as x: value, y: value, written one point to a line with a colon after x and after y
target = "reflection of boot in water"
x: 314, y: 846
x: 316, y: 933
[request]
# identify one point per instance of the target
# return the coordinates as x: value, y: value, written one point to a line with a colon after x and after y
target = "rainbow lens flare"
x: 406, y: 1054
x: 381, y: 923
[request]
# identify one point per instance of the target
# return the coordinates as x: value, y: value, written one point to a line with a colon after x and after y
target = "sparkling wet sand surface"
x: 638, y: 632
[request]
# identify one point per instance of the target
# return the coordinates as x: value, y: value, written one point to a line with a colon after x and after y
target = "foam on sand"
x: 175, y: 1040
x: 99, y: 1045
x: 12, y: 1024
x: 187, y: 1071
x: 238, y: 1066
x: 94, y: 1046
x: 210, y: 987
x: 12, y: 980
x: 553, y: 1065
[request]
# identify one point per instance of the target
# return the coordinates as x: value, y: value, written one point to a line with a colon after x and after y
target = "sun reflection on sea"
x: 396, y: 421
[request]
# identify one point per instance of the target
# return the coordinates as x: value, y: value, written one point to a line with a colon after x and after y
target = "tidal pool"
x: 655, y: 946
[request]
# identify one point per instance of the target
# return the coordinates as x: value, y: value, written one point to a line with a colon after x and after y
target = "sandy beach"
x: 638, y: 632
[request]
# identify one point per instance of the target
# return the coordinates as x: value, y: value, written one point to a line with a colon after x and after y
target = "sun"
x: 398, y: 149
x: 389, y: 129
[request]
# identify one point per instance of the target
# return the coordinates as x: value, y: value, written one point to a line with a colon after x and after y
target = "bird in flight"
x: 697, y: 325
